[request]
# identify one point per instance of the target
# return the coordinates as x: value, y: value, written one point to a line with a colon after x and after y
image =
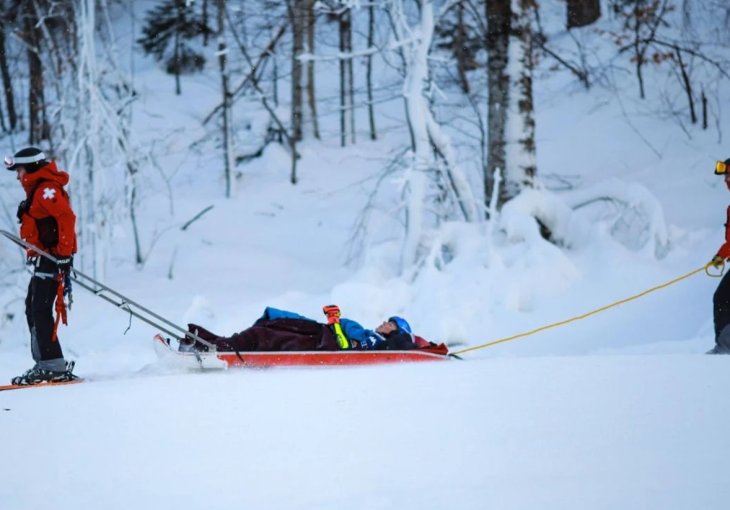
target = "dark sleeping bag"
x: 273, y: 335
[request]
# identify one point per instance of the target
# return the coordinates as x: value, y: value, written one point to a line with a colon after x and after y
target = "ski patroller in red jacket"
x: 46, y: 217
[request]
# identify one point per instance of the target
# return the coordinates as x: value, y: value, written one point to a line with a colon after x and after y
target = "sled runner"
x: 221, y: 359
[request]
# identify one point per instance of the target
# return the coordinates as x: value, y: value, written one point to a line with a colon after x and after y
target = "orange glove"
x: 332, y: 312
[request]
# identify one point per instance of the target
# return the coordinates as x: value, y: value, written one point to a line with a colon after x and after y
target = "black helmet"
x: 30, y: 158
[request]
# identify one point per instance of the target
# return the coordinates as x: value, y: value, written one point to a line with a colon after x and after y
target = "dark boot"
x: 37, y: 375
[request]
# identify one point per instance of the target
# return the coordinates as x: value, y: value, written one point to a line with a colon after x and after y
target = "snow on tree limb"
x: 637, y: 222
x: 428, y: 137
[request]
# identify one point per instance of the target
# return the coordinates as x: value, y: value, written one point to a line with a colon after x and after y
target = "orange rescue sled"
x: 294, y: 358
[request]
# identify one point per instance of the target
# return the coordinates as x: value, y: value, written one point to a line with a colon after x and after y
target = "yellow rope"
x: 704, y: 268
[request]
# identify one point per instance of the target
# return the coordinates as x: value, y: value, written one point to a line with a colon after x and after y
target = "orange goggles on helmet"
x: 721, y: 168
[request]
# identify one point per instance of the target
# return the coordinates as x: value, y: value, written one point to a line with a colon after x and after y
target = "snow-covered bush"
x: 636, y: 218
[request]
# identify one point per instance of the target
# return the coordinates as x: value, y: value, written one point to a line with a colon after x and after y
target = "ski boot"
x: 38, y: 375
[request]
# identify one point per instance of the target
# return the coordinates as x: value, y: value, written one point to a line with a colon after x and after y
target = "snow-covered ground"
x: 600, y: 432
x: 619, y: 410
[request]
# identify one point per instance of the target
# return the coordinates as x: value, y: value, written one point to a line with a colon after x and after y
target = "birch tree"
x: 311, y: 24
x: 430, y: 142
x: 521, y: 164
x: 226, y: 137
x: 510, y: 108
x: 297, y: 16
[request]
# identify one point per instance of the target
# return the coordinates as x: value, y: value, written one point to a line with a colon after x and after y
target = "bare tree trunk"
x: 178, y: 86
x: 38, y: 128
x: 3, y: 125
x: 687, y: 84
x: 343, y: 28
x: 582, y: 12
x: 297, y: 14
x: 638, y: 51
x: 205, y: 22
x: 297, y: 17
x: 498, y: 14
x: 311, y: 95
x: 640, y: 73
x: 3, y: 63
x: 369, y: 71
x: 350, y: 77
x: 459, y: 45
x: 293, y: 176
x: 138, y: 259
x: 181, y: 7
x: 226, y: 93
x: 275, y: 78
x: 7, y: 83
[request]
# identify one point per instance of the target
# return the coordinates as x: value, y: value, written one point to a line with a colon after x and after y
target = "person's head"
x: 723, y: 168
x: 394, y: 325
x: 26, y: 161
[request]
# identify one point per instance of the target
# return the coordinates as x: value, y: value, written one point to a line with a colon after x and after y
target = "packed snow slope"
x: 599, y: 432
x: 619, y: 410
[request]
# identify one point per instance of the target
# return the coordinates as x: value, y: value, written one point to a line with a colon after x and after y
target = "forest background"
x: 482, y: 168
x: 449, y: 88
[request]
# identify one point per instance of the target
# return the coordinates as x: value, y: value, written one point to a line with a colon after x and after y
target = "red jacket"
x: 46, y: 217
x: 724, y: 250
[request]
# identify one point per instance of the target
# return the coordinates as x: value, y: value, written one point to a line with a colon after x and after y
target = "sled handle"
x: 125, y: 304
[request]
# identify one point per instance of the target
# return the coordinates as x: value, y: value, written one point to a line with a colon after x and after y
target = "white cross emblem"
x: 49, y: 193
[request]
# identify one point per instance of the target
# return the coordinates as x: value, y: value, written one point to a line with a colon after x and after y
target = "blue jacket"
x: 367, y: 338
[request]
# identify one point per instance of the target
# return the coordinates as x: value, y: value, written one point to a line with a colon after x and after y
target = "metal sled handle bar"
x: 124, y: 307
x: 76, y: 275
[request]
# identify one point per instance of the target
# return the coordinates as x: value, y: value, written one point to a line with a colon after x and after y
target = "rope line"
x: 704, y: 268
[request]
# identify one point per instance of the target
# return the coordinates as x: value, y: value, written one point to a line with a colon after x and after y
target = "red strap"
x: 437, y: 349
x: 60, y: 307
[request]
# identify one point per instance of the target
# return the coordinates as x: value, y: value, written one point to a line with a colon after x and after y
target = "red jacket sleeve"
x: 56, y: 204
x: 724, y: 250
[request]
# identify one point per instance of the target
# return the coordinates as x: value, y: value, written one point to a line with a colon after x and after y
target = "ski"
x: 9, y: 387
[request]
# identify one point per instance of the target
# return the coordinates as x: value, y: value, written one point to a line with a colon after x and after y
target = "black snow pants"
x: 721, y: 304
x: 39, y: 314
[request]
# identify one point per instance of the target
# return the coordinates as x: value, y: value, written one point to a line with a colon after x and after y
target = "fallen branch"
x: 195, y: 218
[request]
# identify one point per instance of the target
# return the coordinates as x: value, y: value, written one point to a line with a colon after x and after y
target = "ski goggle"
x: 12, y: 162
x: 721, y: 168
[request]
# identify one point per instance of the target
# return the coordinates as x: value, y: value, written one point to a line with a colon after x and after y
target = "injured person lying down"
x: 280, y: 330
